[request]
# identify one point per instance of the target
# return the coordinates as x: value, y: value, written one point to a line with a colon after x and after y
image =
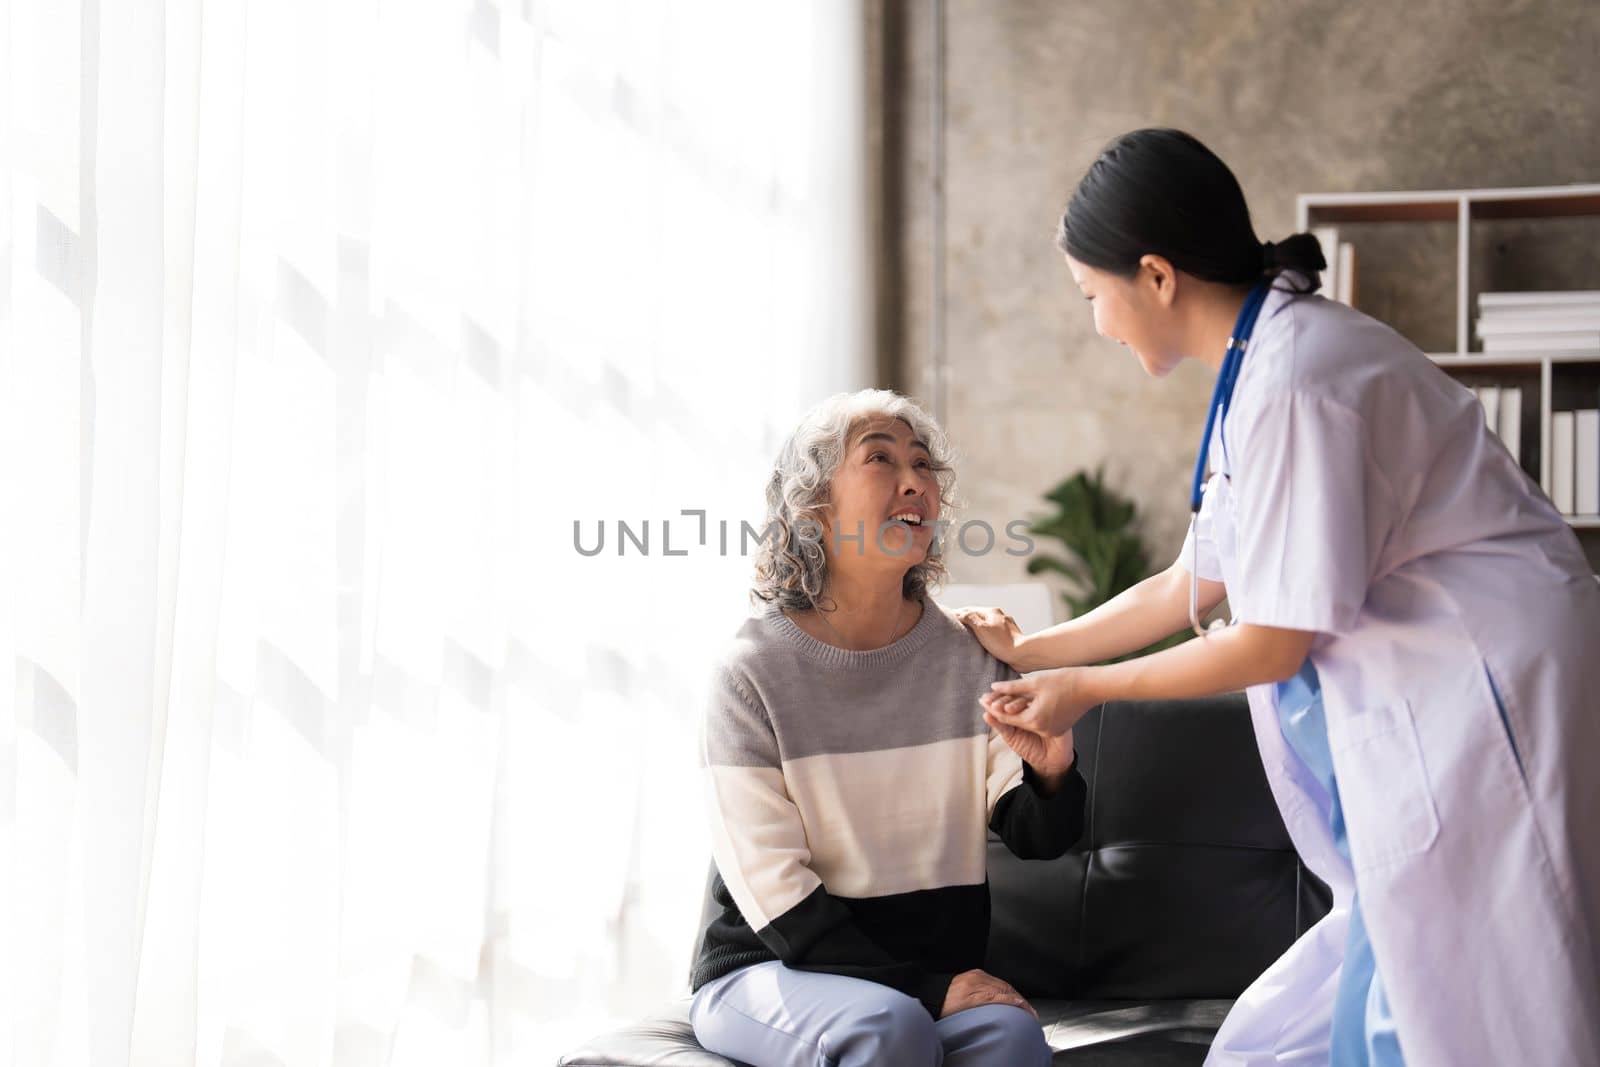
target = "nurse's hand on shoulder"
x: 1048, y: 703
x: 974, y: 989
x: 996, y: 631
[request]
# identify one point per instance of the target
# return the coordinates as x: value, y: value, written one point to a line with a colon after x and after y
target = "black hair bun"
x: 1298, y: 252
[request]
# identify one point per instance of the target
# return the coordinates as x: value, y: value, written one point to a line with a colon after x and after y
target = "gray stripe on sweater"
x: 778, y: 694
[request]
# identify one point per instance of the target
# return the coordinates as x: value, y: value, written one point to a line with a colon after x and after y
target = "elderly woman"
x: 852, y: 771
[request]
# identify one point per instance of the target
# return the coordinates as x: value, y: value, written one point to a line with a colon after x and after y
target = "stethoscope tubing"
x: 1221, y: 396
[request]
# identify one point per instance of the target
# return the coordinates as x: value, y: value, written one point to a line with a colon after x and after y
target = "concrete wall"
x: 1296, y: 95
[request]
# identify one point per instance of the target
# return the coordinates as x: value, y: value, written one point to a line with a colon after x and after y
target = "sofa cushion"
x: 1120, y: 1032
x: 663, y: 1040
x: 1185, y: 884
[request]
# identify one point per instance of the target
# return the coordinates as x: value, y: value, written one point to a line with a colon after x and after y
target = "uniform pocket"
x: 1388, y: 804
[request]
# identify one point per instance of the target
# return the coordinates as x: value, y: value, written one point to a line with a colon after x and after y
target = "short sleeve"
x: 1199, y: 553
x: 1311, y: 513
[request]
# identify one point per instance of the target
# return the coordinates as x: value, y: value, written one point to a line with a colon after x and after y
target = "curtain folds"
x: 323, y: 330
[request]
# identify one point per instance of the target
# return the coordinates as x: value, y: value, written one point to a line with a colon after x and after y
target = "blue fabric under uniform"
x: 1363, y: 1028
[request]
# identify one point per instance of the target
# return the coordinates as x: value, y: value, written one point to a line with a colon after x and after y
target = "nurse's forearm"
x: 1235, y: 658
x: 1136, y: 618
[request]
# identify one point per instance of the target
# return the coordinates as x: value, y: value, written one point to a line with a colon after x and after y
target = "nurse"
x: 1416, y: 626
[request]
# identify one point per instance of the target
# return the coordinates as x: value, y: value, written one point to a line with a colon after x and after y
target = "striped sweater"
x: 849, y: 794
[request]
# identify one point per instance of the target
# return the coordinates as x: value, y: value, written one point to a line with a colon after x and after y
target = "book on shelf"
x: 1502, y: 414
x: 1489, y: 397
x: 1563, y: 449
x: 1551, y: 323
x: 1578, y: 342
x: 1509, y: 423
x: 1339, y: 277
x: 1347, y: 274
x: 1538, y: 325
x: 1586, y: 463
x: 1328, y: 238
x: 1553, y: 299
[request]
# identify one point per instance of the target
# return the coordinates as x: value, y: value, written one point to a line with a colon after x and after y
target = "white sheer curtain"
x: 320, y: 325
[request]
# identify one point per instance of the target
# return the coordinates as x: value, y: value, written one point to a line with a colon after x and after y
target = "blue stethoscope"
x: 1221, y: 396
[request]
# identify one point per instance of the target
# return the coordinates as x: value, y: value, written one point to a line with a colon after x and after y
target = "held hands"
x: 1050, y: 755
x: 1046, y: 704
x: 974, y: 989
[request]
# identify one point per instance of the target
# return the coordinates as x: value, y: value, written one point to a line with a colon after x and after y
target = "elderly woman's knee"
x: 891, y: 1028
x: 1023, y: 1039
x: 1002, y: 1033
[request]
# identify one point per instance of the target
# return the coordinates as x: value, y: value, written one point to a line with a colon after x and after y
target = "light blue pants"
x: 770, y: 1016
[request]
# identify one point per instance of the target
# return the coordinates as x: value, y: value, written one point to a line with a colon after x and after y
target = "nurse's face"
x: 1136, y: 311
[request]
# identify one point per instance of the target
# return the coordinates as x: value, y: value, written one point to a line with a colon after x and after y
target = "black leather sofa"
x: 1134, y: 944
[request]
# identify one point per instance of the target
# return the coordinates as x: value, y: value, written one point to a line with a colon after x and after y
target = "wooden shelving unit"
x: 1463, y: 207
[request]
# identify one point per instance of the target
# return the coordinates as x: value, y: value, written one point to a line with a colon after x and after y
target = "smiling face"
x: 886, y: 476
x: 1136, y: 312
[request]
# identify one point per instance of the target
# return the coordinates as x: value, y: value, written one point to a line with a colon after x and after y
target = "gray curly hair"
x: 790, y: 566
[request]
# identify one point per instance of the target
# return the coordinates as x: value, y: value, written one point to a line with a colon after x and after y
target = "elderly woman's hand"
x: 1048, y: 703
x: 977, y: 988
x: 996, y: 631
x: 1050, y: 756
